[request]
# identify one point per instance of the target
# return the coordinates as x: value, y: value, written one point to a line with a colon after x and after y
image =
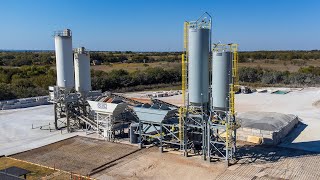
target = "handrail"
x: 65, y: 33
x: 202, y: 24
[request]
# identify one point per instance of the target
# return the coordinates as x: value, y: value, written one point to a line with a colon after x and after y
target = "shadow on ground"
x: 264, y: 153
x: 313, y: 146
x: 294, y: 133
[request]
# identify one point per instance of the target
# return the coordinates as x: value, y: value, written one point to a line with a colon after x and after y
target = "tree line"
x: 281, y: 55
x: 306, y: 76
x: 48, y: 58
x: 26, y: 58
x: 118, y: 79
x: 135, y: 57
x: 29, y: 81
x: 11, y: 58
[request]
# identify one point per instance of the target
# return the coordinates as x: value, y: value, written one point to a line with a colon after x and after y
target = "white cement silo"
x: 82, y: 70
x: 64, y: 59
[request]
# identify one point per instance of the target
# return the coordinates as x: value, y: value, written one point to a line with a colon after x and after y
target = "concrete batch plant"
x: 208, y: 114
x: 204, y: 125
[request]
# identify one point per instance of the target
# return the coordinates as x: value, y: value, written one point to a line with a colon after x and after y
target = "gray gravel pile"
x: 269, y: 121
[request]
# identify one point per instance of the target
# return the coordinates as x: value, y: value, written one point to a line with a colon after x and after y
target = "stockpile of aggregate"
x: 268, y: 121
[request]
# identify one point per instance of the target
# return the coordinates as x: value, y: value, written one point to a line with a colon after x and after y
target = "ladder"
x: 184, y: 64
x: 235, y: 59
x: 184, y: 76
x: 230, y: 125
x: 235, y: 77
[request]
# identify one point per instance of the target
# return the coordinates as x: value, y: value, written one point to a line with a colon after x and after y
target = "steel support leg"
x: 161, y: 137
x: 204, y: 140
x: 140, y: 135
x: 68, y: 120
x: 55, y: 116
x: 208, y: 141
x: 185, y: 140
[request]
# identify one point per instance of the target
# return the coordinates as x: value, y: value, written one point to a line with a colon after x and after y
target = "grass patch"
x: 37, y: 172
x: 131, y: 67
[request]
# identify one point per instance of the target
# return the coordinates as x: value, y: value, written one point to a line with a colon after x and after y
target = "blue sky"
x: 157, y: 25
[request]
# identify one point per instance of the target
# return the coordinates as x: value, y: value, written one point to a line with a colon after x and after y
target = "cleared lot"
x: 119, y: 161
x: 78, y: 154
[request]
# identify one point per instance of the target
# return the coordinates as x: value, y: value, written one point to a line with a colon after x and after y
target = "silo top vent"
x: 66, y: 33
x: 81, y: 50
x: 204, y: 22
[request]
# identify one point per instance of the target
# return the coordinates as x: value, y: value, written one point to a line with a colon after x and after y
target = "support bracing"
x: 208, y: 130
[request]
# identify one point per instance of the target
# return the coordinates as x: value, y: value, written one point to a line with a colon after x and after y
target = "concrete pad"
x: 17, y: 135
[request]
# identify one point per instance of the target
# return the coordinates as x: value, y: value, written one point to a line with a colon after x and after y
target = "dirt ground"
x: 80, y: 154
x: 255, y: 162
x: 151, y: 164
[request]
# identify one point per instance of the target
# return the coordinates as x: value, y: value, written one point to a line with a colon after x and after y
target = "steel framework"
x: 71, y: 108
x: 158, y: 124
x: 202, y: 129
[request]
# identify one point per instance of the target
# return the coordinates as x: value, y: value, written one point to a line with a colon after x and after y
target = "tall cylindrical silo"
x: 82, y: 70
x: 64, y: 59
x: 221, y: 79
x: 198, y: 67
